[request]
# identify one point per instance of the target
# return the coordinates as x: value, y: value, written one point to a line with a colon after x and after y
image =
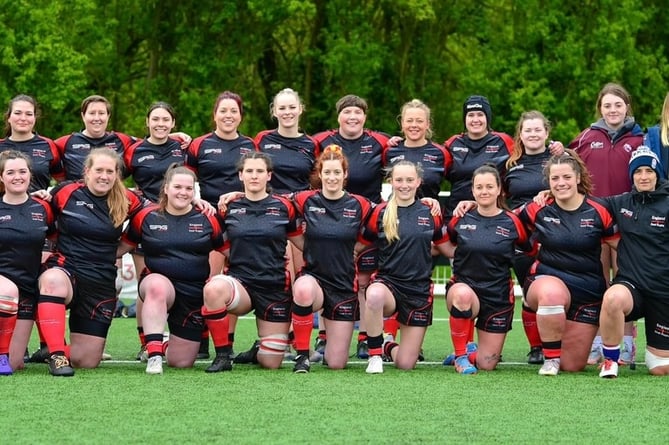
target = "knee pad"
x: 234, y: 292
x: 9, y: 305
x: 273, y: 344
x: 550, y: 310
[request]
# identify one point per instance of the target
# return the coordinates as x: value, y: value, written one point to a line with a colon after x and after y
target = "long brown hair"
x: 116, y: 198
x: 570, y: 157
x: 491, y: 169
x: 10, y: 108
x: 173, y: 170
x: 518, y: 147
x: 618, y: 91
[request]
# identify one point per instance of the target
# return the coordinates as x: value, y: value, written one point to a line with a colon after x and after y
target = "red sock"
x: 302, y: 326
x: 51, y: 319
x: 459, y: 334
x: 391, y: 325
x: 362, y: 336
x: 7, y: 323
x: 531, y: 329
x: 470, y: 334
x: 218, y: 324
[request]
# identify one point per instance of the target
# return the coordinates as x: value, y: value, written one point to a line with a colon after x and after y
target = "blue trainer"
x: 450, y: 358
x: 463, y: 366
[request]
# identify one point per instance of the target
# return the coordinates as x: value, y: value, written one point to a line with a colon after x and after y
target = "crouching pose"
x: 404, y: 229
x: 640, y: 286
x: 257, y: 227
x: 176, y: 239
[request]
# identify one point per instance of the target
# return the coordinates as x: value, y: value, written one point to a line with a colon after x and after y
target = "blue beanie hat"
x: 644, y: 157
x: 477, y: 103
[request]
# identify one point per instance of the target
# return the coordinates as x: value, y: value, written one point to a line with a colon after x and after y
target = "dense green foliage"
x: 536, y: 54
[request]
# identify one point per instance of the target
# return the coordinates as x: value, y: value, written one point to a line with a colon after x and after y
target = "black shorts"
x: 655, y: 311
x: 269, y: 303
x: 412, y: 310
x: 185, y: 316
x: 27, y: 305
x: 498, y: 295
x: 586, y: 292
x: 368, y: 260
x: 92, y: 306
x: 340, y: 306
x: 493, y: 318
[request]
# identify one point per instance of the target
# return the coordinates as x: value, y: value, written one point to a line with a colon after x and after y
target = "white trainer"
x: 154, y: 365
x: 375, y: 365
x: 550, y: 367
x: 608, y: 369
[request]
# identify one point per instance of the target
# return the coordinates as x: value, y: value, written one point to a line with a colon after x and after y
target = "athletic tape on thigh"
x: 235, y: 294
x: 550, y: 310
x: 653, y: 361
x: 273, y: 344
x: 9, y: 305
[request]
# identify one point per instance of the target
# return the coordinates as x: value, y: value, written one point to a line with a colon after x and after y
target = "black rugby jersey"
x: 176, y: 246
x: 468, y: 155
x: 46, y: 161
x: 365, y: 166
x: 214, y: 161
x: 293, y: 160
x: 75, y: 147
x: 256, y: 233
x: 570, y: 240
x: 524, y: 180
x: 23, y: 229
x: 147, y: 163
x: 485, y: 247
x: 332, y: 229
x: 87, y: 239
x: 407, y: 260
x: 433, y: 158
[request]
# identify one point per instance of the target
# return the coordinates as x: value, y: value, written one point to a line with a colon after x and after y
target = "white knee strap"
x: 234, y: 292
x: 9, y: 305
x: 550, y: 310
x: 273, y: 344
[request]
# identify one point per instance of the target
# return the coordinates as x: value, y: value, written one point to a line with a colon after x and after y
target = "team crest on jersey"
x: 195, y: 228
x: 39, y: 153
x: 432, y: 159
x: 158, y: 227
x: 587, y: 222
x: 177, y: 153
x: 596, y: 145
x: 349, y: 213
x: 627, y: 148
x: 146, y: 158
x: 423, y: 221
x: 626, y: 212
x: 467, y: 227
x: 36, y: 216
x: 552, y: 220
x: 273, y: 211
x: 366, y: 149
x: 314, y: 209
x: 491, y: 148
x: 5, y: 218
x: 657, y: 221
x: 84, y: 203
x: 502, y: 231
x: 216, y: 151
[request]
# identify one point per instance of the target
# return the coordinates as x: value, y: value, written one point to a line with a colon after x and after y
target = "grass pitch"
x: 119, y: 403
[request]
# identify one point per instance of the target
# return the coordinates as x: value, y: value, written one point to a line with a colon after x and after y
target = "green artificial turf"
x: 119, y: 403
